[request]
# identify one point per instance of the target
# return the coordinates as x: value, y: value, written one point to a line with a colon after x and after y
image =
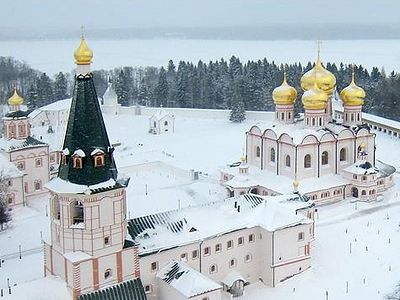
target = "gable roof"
x: 14, y: 144
x: 186, y: 280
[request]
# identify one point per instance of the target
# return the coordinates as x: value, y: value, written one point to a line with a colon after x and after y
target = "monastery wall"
x: 195, y: 113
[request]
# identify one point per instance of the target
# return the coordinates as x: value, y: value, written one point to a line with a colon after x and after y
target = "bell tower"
x: 88, y: 200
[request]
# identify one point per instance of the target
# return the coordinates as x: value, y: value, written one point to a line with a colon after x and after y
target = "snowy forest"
x: 213, y: 85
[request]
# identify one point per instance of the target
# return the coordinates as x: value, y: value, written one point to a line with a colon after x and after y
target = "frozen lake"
x: 56, y: 55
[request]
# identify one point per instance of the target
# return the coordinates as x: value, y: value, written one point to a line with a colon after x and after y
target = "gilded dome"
x: 15, y: 99
x: 325, y: 80
x: 353, y: 95
x: 83, y: 54
x: 284, y: 94
x: 314, y: 98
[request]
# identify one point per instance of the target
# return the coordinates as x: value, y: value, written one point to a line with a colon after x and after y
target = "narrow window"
x: 148, y: 288
x: 195, y: 254
x: 207, y: 251
x: 307, y: 161
x: 218, y: 248
x: 229, y: 244
x: 272, y: 158
x: 287, y: 161
x: 38, y: 162
x: 258, y: 151
x: 154, y: 266
x: 325, y: 158
x: 99, y: 160
x: 343, y: 154
x: 232, y: 263
x: 240, y: 241
x: 77, y: 162
x: 251, y: 238
x: 107, y: 241
x: 38, y: 185
x: 300, y: 236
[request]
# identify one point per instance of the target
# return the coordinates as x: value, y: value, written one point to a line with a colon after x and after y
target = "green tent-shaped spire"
x: 86, y: 136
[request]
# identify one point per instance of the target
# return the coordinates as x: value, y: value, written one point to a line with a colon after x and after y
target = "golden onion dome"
x: 15, y: 99
x: 83, y: 54
x: 325, y: 80
x: 284, y: 94
x: 314, y: 98
x: 353, y: 95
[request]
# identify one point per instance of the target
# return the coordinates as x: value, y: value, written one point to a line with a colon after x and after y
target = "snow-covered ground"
x: 56, y: 55
x: 205, y: 145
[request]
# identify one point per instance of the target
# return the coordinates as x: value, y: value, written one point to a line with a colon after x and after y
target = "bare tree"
x: 5, y: 216
x: 395, y: 295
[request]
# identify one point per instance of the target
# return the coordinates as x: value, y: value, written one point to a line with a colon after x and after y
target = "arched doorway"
x: 354, y: 192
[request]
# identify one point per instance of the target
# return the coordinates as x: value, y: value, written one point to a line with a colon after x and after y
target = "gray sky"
x: 60, y: 15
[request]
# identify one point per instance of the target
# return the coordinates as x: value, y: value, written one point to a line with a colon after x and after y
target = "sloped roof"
x: 8, y: 169
x: 128, y: 290
x: 14, y: 144
x: 186, y: 280
x: 180, y: 227
x: 86, y: 131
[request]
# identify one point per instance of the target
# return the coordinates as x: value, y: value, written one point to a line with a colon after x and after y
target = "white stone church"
x: 328, y: 159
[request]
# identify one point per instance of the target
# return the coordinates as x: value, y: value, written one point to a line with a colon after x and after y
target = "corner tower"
x: 88, y: 246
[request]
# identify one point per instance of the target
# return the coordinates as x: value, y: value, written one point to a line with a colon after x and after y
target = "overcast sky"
x: 63, y: 15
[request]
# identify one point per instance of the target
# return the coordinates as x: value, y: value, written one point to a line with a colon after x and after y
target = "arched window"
x: 99, y: 160
x: 166, y: 123
x: 363, y: 193
x: 287, y: 161
x: 11, y: 128
x: 343, y: 154
x: 21, y: 129
x: 77, y: 162
x: 307, y: 161
x: 38, y: 185
x: 272, y: 158
x: 325, y: 158
x: 213, y: 269
x: 258, y: 151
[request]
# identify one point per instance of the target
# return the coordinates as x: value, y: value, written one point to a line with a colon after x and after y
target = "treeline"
x: 213, y: 85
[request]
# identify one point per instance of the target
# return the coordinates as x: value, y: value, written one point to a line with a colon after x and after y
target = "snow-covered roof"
x: 185, y: 226
x: 161, y: 114
x: 58, y: 185
x: 280, y: 183
x: 361, y: 168
x: 14, y: 144
x: 231, y: 277
x: 8, y: 169
x: 58, y: 105
x: 96, y: 151
x: 186, y: 280
x: 79, y: 153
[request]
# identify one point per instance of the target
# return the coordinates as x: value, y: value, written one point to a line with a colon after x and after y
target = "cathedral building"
x: 29, y: 155
x: 327, y: 158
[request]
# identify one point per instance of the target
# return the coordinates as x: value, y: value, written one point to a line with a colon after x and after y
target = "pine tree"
x: 122, y: 88
x: 32, y: 97
x: 45, y: 93
x: 60, y: 87
x: 144, y: 94
x: 5, y: 216
x: 238, y: 113
x: 161, y: 90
